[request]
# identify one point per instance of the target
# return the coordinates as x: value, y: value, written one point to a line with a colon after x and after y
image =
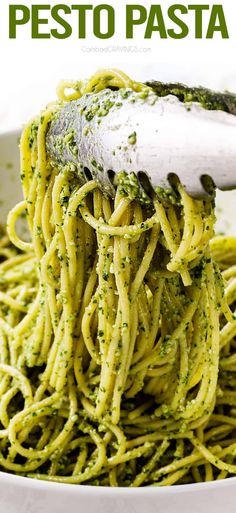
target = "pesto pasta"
x: 117, y: 331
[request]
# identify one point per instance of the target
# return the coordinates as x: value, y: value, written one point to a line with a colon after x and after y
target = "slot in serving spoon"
x: 155, y: 134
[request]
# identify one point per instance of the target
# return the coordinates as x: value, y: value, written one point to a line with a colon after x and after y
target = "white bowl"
x: 24, y: 495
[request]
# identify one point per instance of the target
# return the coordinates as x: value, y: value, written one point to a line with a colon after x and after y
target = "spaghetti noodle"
x: 117, y: 340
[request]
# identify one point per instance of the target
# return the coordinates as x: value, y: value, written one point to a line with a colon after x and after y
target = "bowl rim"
x: 83, y: 489
x: 100, y: 491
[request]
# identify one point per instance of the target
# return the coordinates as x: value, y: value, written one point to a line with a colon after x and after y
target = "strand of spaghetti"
x: 64, y: 84
x: 120, y: 231
x: 207, y: 389
x: 170, y: 236
x: 18, y: 259
x: 121, y: 442
x: 213, y: 459
x: 25, y: 159
x: 85, y: 327
x: 47, y: 212
x: 4, y: 404
x: 63, y: 360
x: 155, y: 357
x: 144, y: 474
x: 148, y: 255
x: 24, y: 383
x: 173, y: 478
x: 185, y: 244
x: 124, y: 333
x: 32, y: 312
x: 11, y: 221
x: 38, y: 234
x: 107, y: 374
x: 91, y: 470
x: 41, y: 410
x: 12, y: 303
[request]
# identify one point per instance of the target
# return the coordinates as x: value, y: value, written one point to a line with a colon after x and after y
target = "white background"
x: 31, y: 69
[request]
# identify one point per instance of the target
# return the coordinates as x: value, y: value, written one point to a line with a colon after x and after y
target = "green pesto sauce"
x: 209, y: 100
x: 130, y: 186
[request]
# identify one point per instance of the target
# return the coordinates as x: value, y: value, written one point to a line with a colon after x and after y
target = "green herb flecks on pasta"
x: 117, y: 337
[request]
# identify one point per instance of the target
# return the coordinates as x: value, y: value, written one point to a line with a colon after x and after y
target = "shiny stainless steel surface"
x: 140, y: 132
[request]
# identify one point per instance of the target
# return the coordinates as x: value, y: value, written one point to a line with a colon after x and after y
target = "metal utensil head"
x: 147, y: 135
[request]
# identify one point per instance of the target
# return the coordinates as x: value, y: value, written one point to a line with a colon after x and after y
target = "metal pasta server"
x: 166, y: 130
